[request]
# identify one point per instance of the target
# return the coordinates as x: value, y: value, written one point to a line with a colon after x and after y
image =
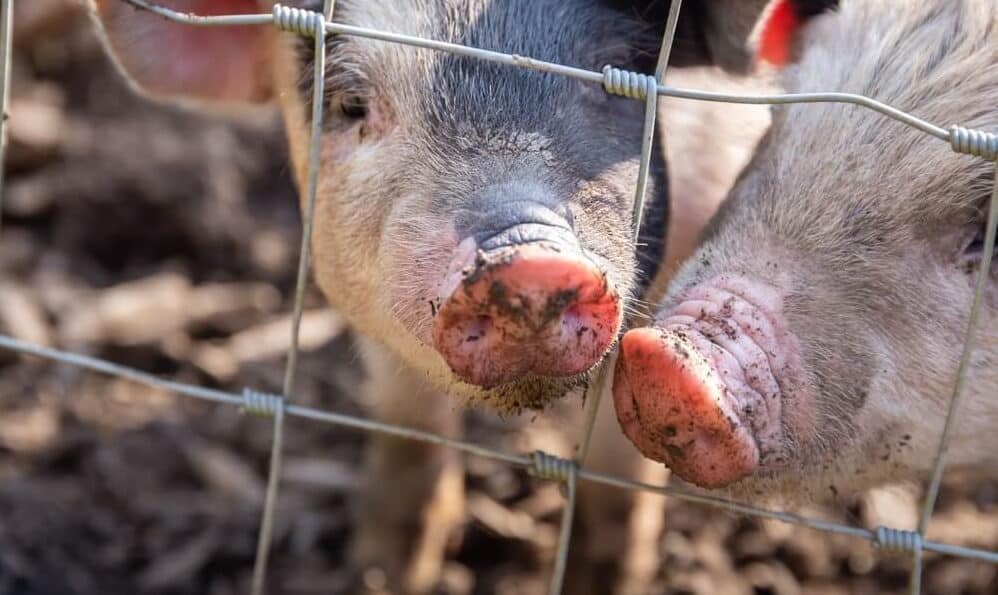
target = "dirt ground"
x: 167, y: 242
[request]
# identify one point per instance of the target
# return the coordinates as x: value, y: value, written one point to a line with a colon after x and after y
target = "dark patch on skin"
x: 483, y: 265
x: 557, y: 304
x: 514, y: 307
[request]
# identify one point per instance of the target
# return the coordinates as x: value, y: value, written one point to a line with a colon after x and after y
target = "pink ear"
x: 174, y: 59
x: 780, y: 25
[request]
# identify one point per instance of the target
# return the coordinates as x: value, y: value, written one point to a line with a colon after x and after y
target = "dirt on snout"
x: 167, y: 242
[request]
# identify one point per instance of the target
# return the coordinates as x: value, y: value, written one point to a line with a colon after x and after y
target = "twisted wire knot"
x: 262, y: 403
x: 974, y: 142
x: 897, y: 541
x: 548, y: 466
x: 627, y: 83
x: 297, y: 20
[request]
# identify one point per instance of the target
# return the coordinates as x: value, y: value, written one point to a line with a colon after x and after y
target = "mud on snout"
x: 533, y: 310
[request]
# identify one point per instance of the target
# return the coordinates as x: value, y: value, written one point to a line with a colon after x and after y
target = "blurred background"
x: 167, y: 241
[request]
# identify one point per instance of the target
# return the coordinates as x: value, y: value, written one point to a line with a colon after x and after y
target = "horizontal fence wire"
x: 543, y: 465
x: 540, y: 469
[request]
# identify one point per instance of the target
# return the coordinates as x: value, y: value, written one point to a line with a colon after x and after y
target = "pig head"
x: 473, y: 217
x: 810, y: 346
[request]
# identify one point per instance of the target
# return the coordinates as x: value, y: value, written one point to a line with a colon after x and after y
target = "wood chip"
x: 22, y: 316
x: 267, y: 341
x: 323, y: 473
x: 160, y: 305
x: 172, y: 568
x: 511, y: 524
x: 225, y: 471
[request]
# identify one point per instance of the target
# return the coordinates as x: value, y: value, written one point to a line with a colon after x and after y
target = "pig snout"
x: 706, y: 389
x: 521, y: 297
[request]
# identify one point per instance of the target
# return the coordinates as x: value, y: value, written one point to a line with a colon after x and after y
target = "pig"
x: 809, y: 348
x: 473, y: 220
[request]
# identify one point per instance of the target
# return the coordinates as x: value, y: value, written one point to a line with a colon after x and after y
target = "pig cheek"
x: 419, y: 250
x: 800, y: 406
x: 379, y: 122
x: 601, y: 210
x: 348, y: 220
x: 341, y: 145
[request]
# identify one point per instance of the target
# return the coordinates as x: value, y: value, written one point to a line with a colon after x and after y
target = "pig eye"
x: 975, y: 248
x: 354, y: 107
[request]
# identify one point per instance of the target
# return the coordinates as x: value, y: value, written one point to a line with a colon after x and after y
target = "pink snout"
x: 710, y: 389
x: 532, y: 309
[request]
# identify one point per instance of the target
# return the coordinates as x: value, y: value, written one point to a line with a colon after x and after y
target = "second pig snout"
x: 521, y: 297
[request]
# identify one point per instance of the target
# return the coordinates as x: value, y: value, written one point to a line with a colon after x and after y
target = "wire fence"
x: 634, y: 85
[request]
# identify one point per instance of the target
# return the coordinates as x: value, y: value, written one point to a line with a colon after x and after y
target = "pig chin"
x: 714, y: 389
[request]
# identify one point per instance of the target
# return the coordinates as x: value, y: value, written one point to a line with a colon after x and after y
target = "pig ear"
x: 779, y: 27
x: 777, y: 30
x: 165, y: 58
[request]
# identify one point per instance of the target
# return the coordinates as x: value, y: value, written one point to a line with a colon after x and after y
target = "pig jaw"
x: 714, y: 388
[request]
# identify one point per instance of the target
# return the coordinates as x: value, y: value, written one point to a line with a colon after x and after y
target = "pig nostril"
x: 478, y: 328
x: 578, y: 320
x: 572, y: 315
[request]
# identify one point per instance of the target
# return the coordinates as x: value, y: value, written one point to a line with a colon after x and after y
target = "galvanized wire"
x: 275, y: 408
x: 640, y: 87
x: 566, y: 471
x: 564, y: 534
x: 543, y: 465
x: 603, y: 373
x: 318, y: 33
x: 960, y: 385
x: 560, y: 69
x: 328, y: 6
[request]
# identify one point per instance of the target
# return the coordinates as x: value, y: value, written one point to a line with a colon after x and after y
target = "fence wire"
x: 634, y: 85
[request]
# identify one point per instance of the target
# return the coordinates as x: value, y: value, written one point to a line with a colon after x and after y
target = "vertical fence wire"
x: 564, y: 534
x: 565, y: 471
x: 6, y: 41
x: 318, y: 33
x: 328, y: 6
x: 308, y: 214
x: 960, y: 384
x: 265, y: 538
x: 604, y: 375
x: 604, y: 372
